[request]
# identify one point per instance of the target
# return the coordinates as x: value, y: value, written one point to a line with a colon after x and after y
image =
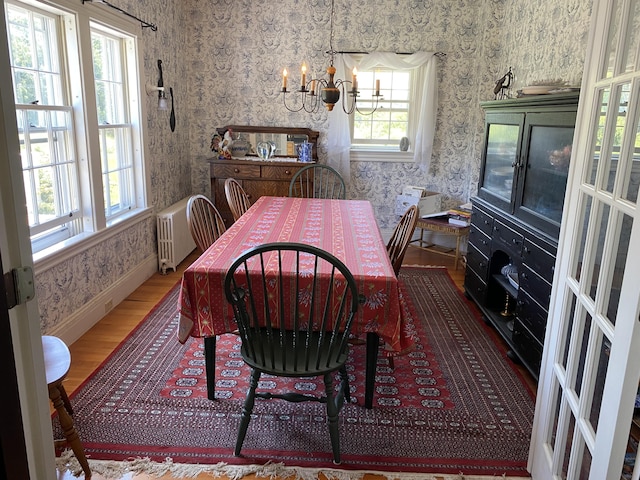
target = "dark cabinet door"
x: 503, y: 136
x: 542, y: 178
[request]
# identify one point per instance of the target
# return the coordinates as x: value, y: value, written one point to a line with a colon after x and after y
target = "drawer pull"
x: 287, y: 172
x: 236, y: 170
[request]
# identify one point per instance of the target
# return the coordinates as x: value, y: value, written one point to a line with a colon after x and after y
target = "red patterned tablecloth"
x: 346, y: 228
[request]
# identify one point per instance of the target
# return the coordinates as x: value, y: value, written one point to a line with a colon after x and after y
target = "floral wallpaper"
x: 235, y: 70
x: 224, y: 60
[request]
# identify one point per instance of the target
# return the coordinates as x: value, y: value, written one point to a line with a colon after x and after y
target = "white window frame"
x: 76, y: 23
x: 385, y: 104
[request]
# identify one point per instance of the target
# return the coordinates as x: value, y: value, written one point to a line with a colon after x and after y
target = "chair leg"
x: 344, y: 384
x: 69, y: 430
x: 392, y: 365
x: 246, y: 410
x: 332, y: 418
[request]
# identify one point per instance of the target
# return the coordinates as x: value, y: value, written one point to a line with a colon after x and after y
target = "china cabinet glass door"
x: 548, y: 139
x: 501, y: 157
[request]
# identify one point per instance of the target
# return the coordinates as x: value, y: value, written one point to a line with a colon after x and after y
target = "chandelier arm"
x: 284, y: 101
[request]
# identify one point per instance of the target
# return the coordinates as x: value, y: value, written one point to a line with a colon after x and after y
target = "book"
x: 442, y: 215
x: 459, y: 221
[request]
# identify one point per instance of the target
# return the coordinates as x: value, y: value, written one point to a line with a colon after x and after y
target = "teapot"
x: 304, y: 151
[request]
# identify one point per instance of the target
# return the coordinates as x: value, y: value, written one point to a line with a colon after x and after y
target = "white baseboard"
x: 86, y: 317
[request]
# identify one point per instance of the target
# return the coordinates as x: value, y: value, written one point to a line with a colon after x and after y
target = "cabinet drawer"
x: 279, y: 172
x: 532, y: 315
x: 536, y: 286
x: 527, y: 347
x: 507, y: 238
x: 478, y: 262
x: 481, y: 220
x: 474, y: 286
x: 235, y: 171
x: 539, y: 259
x: 479, y: 240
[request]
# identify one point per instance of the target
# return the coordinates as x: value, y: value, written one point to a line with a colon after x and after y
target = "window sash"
x: 115, y: 132
x: 383, y: 128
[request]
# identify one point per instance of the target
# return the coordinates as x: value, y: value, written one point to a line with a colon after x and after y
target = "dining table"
x: 346, y: 229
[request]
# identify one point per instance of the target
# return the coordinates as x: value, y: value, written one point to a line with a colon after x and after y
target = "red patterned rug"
x: 454, y: 405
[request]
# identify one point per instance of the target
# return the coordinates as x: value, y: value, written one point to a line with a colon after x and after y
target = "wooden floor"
x: 91, y: 349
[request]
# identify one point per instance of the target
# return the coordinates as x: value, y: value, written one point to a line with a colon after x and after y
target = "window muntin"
x: 390, y: 122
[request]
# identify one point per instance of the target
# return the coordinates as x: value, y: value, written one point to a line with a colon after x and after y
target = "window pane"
x: 107, y: 70
x: 596, y: 150
x: 619, y: 266
x: 49, y: 166
x: 34, y: 57
x: 390, y: 122
x: 618, y: 116
x: 117, y: 170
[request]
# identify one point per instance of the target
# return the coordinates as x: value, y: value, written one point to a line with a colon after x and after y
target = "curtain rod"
x: 436, y: 54
x: 142, y: 22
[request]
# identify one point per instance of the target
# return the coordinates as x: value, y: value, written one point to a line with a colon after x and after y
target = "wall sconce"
x: 163, y: 104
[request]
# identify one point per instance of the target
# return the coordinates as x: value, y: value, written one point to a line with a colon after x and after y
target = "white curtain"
x: 423, y: 112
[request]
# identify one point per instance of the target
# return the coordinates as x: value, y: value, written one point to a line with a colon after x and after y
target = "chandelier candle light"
x: 328, y: 90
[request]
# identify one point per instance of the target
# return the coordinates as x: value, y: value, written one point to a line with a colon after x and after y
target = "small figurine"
x: 222, y: 144
x: 503, y: 84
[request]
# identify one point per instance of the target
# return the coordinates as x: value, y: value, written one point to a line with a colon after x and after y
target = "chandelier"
x: 328, y: 90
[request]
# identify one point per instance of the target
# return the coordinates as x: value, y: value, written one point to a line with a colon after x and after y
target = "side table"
x: 441, y: 226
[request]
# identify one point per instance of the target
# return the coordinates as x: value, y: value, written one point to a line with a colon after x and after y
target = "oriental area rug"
x: 454, y: 405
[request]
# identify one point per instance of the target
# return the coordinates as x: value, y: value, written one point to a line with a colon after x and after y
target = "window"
x: 114, y: 129
x: 384, y: 128
x: 68, y: 197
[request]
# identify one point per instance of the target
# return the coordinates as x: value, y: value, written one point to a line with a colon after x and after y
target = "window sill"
x: 380, y: 156
x: 60, y: 252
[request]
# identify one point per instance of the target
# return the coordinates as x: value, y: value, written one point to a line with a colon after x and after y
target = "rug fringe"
x: 114, y: 470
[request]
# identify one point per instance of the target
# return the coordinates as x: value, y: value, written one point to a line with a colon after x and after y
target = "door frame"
x: 24, y: 320
x: 607, y: 444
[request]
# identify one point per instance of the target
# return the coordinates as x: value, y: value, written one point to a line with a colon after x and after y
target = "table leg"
x: 455, y: 264
x: 210, y: 366
x: 373, y: 342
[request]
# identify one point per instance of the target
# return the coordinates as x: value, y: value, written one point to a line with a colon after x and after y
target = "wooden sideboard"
x: 257, y: 177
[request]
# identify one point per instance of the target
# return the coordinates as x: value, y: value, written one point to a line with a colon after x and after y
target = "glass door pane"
x: 504, y: 134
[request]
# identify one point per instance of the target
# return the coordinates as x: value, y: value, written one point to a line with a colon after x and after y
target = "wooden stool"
x: 57, y: 361
x: 444, y: 227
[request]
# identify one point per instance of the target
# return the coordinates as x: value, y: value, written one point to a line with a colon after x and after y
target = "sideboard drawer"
x: 279, y: 172
x: 540, y: 260
x: 532, y: 315
x: 235, y: 171
x: 477, y: 262
x: 482, y: 220
x: 507, y: 238
x: 479, y: 240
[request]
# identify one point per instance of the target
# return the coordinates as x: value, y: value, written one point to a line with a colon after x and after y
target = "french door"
x: 591, y: 365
